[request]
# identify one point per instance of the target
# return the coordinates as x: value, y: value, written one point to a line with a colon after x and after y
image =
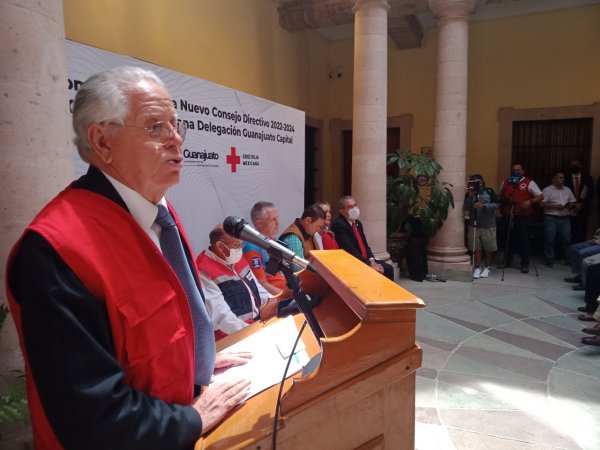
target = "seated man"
x: 299, y: 236
x: 233, y: 295
x: 588, y: 262
x: 594, y: 330
x: 577, y: 253
x: 591, y: 280
x: 350, y: 236
x: 265, y: 218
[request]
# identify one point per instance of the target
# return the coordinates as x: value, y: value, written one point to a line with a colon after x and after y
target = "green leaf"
x: 404, y: 196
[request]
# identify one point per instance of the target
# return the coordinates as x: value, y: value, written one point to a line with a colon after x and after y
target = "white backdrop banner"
x: 239, y: 149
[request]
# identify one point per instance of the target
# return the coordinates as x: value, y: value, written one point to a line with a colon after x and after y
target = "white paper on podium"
x: 270, y: 348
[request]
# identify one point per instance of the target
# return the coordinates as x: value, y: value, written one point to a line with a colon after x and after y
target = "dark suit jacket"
x: 347, y: 240
x: 586, y: 181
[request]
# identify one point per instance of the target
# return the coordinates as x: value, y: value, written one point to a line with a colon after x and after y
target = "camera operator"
x: 480, y: 206
x: 558, y: 204
x: 518, y: 194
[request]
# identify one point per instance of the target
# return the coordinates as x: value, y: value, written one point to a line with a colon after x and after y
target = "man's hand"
x: 375, y: 265
x: 554, y: 205
x: 228, y: 359
x: 526, y: 204
x: 218, y: 399
x: 478, y: 205
x: 269, y: 309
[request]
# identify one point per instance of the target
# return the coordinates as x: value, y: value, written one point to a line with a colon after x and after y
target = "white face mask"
x: 235, y: 254
x: 354, y: 213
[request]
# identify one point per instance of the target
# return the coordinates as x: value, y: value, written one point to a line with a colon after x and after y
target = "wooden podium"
x: 362, y: 394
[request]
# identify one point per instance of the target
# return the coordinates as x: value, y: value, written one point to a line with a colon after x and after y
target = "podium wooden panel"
x: 362, y: 394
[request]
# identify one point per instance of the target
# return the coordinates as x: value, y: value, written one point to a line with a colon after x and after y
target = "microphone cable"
x: 278, y: 404
x: 287, y: 366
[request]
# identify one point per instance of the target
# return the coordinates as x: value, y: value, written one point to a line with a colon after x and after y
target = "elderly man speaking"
x: 102, y: 287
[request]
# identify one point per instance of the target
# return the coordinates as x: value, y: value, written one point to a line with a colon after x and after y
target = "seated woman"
x: 325, y: 235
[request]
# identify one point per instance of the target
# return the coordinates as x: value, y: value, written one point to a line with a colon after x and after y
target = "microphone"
x: 241, y: 229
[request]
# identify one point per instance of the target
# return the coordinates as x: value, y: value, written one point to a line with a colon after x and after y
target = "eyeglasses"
x: 161, y: 132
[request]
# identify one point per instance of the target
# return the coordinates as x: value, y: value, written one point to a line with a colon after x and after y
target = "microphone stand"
x: 508, y: 233
x: 305, y: 305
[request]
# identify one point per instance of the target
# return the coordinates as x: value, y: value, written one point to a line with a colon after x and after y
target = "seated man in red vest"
x: 300, y: 236
x: 350, y: 236
x: 233, y: 295
x: 104, y: 292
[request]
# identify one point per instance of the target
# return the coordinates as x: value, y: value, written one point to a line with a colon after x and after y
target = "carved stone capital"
x: 444, y: 9
x: 360, y: 5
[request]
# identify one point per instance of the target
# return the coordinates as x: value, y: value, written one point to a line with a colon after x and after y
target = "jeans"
x: 580, y: 251
x: 554, y: 225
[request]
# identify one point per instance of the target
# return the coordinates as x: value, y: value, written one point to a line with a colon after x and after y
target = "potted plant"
x: 417, y: 201
x: 14, y: 415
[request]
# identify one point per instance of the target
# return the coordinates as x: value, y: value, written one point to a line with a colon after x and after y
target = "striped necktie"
x: 204, y: 336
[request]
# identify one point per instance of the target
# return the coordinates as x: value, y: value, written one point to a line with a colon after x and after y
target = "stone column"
x: 35, y: 129
x: 450, y: 127
x: 369, y: 131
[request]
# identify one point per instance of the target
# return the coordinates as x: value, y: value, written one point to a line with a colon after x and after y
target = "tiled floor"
x: 503, y: 365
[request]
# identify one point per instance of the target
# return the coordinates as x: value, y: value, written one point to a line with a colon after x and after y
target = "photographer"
x: 518, y: 194
x: 559, y: 204
x: 480, y: 206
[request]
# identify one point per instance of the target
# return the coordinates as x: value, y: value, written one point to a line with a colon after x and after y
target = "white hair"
x: 104, y: 97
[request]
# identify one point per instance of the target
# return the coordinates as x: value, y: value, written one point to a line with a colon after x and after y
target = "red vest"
x: 123, y: 269
x: 239, y: 294
x: 329, y: 242
x: 516, y: 194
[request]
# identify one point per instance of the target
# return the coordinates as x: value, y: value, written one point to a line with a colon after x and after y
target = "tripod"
x: 507, y: 244
x: 474, y: 212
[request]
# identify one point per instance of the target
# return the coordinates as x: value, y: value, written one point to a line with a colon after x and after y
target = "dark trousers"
x: 579, y: 227
x: 388, y: 269
x: 592, y: 288
x: 416, y: 259
x: 518, y: 239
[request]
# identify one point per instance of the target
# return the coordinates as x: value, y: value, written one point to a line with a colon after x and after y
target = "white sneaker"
x: 485, y: 272
x: 477, y: 273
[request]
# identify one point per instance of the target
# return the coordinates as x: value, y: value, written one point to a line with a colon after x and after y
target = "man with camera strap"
x: 480, y: 206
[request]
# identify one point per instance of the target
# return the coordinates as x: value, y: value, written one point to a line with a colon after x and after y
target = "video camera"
x: 514, y: 178
x: 475, y: 185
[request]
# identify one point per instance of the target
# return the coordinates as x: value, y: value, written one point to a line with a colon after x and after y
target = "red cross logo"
x: 233, y: 159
